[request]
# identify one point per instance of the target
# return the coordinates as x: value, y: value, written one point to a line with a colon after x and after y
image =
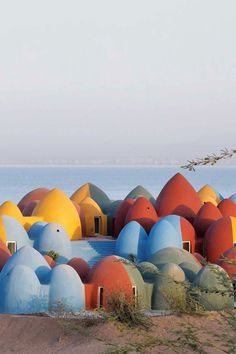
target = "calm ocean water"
x: 15, y: 182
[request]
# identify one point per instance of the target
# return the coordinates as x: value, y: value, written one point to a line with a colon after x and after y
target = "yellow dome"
x: 55, y: 206
x: 207, y: 194
x: 80, y: 194
x: 3, y: 236
x: 11, y: 209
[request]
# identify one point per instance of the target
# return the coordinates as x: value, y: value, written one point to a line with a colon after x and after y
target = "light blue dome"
x: 66, y: 290
x: 53, y: 237
x: 15, y: 231
x: 20, y: 291
x: 164, y: 234
x: 31, y: 258
x: 132, y: 241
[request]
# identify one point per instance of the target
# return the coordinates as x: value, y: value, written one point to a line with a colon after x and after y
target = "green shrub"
x: 53, y: 254
x: 126, y: 310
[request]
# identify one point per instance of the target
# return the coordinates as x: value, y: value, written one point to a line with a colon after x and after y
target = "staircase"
x: 93, y: 251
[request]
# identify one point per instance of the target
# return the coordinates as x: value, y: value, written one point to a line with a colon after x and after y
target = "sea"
x: 115, y: 181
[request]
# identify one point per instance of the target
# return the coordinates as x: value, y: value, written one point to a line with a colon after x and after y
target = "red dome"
x: 205, y: 217
x: 227, y: 207
x: 81, y: 267
x: 121, y: 213
x: 5, y: 254
x: 178, y: 197
x: 143, y: 212
x: 50, y: 261
x: 28, y: 210
x: 218, y: 238
x: 111, y: 274
x: 36, y: 194
x: 228, y: 262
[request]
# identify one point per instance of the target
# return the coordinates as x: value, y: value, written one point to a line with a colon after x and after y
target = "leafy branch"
x: 209, y: 159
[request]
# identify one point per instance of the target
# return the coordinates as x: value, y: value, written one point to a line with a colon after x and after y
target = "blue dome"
x: 66, y: 290
x: 132, y: 241
x: 31, y: 258
x: 20, y: 291
x: 164, y: 234
x: 233, y: 197
x: 15, y: 231
x: 53, y: 237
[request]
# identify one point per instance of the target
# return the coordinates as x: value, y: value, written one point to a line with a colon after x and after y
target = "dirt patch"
x: 211, y: 333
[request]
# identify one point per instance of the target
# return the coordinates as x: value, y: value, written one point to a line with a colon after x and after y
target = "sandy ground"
x: 211, y: 333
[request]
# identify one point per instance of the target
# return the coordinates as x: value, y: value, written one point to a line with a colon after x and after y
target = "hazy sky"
x: 116, y: 80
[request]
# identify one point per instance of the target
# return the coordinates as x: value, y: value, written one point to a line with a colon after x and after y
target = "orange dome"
x: 50, y: 261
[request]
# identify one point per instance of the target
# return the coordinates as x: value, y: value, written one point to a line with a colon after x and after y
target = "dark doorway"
x: 97, y: 224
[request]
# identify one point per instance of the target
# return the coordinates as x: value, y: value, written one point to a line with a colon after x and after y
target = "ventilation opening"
x: 187, y: 246
x: 97, y: 225
x: 11, y: 245
x: 100, y: 297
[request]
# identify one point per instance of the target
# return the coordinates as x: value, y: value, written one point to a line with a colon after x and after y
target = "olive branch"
x: 209, y: 159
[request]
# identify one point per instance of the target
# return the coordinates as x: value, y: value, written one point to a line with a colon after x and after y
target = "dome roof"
x: 208, y: 194
x: 220, y: 236
x: 31, y: 258
x: 67, y: 289
x: 56, y: 207
x: 140, y: 191
x: 35, y: 194
x: 227, y: 207
x: 132, y: 241
x: 92, y: 191
x: 20, y: 291
x: 172, y: 255
x: 207, y: 214
x: 178, y: 197
x: 121, y: 213
x: 143, y: 212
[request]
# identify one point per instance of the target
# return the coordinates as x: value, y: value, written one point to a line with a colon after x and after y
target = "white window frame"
x: 12, y: 242
x: 189, y: 244
x: 99, y: 297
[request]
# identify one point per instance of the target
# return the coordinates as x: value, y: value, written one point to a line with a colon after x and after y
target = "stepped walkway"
x: 93, y: 249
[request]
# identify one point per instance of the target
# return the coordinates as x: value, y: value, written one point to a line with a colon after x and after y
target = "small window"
x: 186, y: 246
x: 234, y: 244
x: 100, y: 297
x: 97, y: 225
x: 11, y: 245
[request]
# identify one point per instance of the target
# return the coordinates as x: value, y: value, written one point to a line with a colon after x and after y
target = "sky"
x: 125, y: 81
